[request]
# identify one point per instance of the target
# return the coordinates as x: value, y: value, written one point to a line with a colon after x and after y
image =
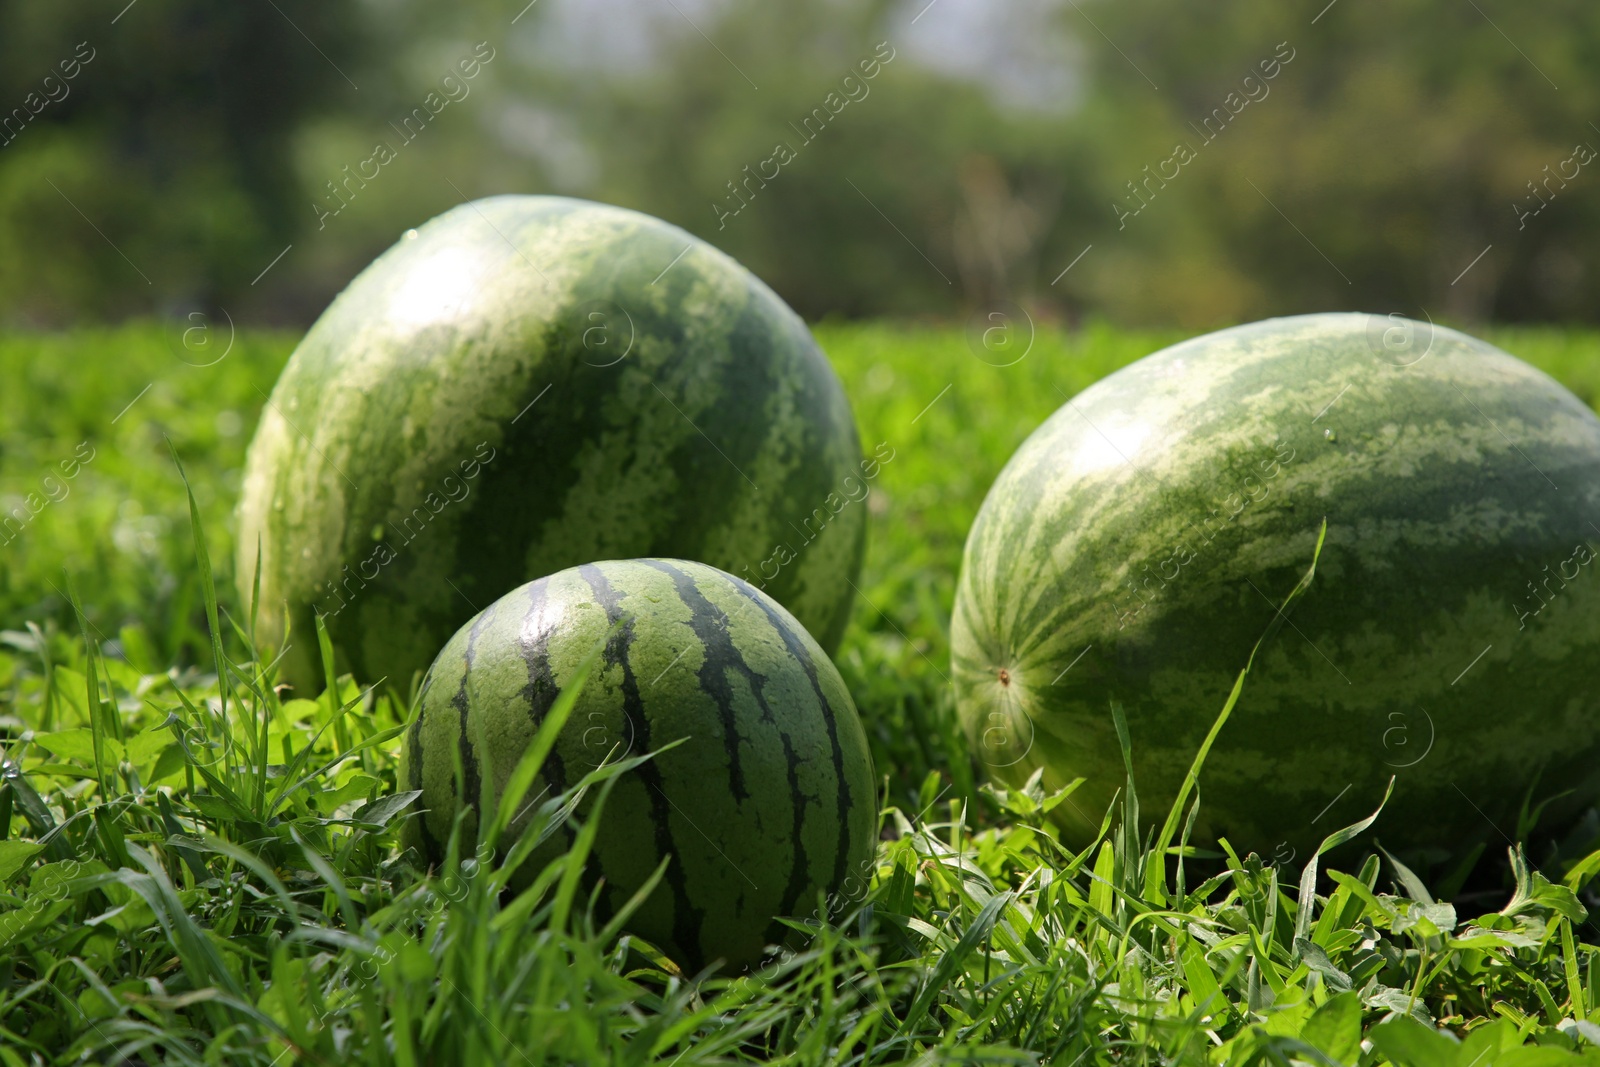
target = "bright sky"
x: 1022, y: 50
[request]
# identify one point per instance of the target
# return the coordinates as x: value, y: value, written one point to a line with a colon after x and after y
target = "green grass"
x: 195, y: 867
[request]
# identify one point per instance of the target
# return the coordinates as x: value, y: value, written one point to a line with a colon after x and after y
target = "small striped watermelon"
x: 769, y: 803
x: 527, y: 383
x: 1139, y: 544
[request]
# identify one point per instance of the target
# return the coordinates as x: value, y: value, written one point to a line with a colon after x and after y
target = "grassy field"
x: 198, y: 870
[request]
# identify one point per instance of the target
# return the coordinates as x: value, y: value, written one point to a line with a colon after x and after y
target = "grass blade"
x: 96, y: 713
x: 1156, y: 874
x: 544, y: 739
x: 208, y: 587
x: 1308, y: 876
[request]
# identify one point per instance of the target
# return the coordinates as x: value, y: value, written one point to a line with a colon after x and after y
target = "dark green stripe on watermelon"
x: 416, y: 832
x: 686, y: 918
x: 797, y: 648
x: 711, y: 627
x: 541, y: 691
x: 471, y: 779
x: 711, y: 624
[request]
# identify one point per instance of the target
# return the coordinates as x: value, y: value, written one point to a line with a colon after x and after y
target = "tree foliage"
x: 1420, y: 156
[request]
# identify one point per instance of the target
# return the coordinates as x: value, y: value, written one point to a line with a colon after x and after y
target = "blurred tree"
x: 804, y: 139
x: 1415, y: 156
x: 146, y: 160
x: 1397, y: 145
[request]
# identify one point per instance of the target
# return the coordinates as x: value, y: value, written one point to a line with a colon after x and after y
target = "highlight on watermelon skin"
x: 527, y: 383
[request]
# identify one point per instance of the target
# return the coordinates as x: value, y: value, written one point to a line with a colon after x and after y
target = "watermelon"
x: 1140, y: 542
x: 524, y: 384
x: 766, y: 810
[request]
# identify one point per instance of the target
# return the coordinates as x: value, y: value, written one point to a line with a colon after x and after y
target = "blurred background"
x: 1154, y: 164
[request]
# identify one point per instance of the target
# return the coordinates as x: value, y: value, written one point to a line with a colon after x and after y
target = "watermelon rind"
x: 767, y: 809
x: 524, y: 384
x: 1139, y: 543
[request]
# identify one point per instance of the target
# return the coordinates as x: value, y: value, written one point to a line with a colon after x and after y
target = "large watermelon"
x: 1139, y: 543
x: 769, y: 803
x: 527, y: 383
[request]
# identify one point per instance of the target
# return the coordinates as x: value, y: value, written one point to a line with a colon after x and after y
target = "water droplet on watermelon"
x: 1330, y: 435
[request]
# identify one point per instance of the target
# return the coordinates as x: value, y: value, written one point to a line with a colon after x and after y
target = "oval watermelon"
x: 1141, y: 541
x: 524, y: 384
x: 768, y: 803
